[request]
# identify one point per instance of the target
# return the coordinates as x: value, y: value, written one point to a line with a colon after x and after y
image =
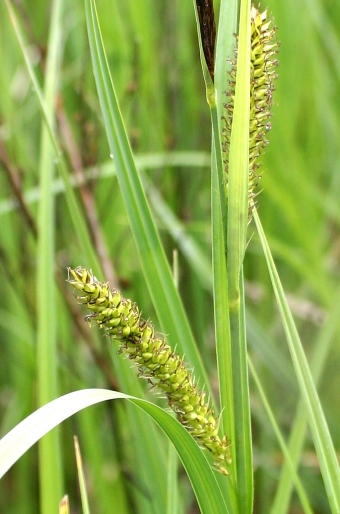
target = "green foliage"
x: 89, y: 219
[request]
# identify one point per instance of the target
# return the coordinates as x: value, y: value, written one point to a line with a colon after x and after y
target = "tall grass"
x: 97, y: 216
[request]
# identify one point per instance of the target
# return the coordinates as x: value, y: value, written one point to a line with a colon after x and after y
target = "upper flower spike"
x: 262, y: 76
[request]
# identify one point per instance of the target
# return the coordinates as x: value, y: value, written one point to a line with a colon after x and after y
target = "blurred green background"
x: 153, y: 56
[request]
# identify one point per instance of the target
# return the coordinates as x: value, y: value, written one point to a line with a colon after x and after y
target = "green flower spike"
x: 121, y: 320
x: 262, y: 75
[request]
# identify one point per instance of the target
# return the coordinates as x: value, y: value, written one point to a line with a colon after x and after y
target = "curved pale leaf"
x: 30, y: 430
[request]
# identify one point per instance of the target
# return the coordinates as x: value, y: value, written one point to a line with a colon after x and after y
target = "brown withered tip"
x: 206, y: 16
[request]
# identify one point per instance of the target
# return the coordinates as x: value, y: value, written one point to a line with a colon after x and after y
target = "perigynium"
x: 156, y: 361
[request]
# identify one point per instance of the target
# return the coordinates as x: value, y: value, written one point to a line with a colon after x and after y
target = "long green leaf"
x: 28, y: 432
x: 220, y: 280
x: 236, y: 243
x: 239, y: 161
x: 50, y: 469
x: 81, y: 477
x: 299, y: 487
x: 224, y: 48
x: 317, y: 422
x: 299, y: 427
x: 243, y: 442
x: 156, y: 270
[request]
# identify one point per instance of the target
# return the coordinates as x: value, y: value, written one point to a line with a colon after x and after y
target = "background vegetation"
x: 153, y: 56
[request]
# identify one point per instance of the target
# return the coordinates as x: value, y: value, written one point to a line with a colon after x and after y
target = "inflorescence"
x: 262, y: 75
x: 156, y: 362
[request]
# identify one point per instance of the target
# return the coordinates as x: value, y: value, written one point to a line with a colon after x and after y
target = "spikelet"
x: 262, y: 76
x: 163, y: 368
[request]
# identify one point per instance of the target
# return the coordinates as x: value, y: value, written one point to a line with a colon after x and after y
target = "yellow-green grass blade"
x: 317, y: 423
x: 29, y: 431
x: 81, y: 478
x: 226, y: 29
x: 221, y: 310
x: 156, y: 270
x: 236, y: 244
x: 239, y: 161
x: 221, y: 319
x: 50, y: 468
x: 241, y: 402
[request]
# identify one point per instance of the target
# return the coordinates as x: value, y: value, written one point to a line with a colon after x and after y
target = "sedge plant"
x: 240, y: 107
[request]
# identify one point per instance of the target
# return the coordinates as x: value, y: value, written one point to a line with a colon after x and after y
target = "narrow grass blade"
x: 299, y: 427
x: 241, y: 402
x: 81, y: 477
x: 155, y: 267
x: 50, y: 469
x: 236, y: 244
x: 226, y: 29
x: 231, y: 235
x: 29, y: 431
x: 299, y: 487
x: 221, y: 309
x: 317, y: 422
x: 239, y: 161
x: 222, y: 322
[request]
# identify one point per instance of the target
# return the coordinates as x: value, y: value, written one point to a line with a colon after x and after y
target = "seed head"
x: 155, y: 360
x: 262, y: 75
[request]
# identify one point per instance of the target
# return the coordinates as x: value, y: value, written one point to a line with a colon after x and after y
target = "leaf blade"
x: 29, y: 431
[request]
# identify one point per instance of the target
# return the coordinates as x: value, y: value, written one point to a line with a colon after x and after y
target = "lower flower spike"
x: 156, y: 362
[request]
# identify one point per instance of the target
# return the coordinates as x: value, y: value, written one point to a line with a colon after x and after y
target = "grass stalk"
x: 50, y: 470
